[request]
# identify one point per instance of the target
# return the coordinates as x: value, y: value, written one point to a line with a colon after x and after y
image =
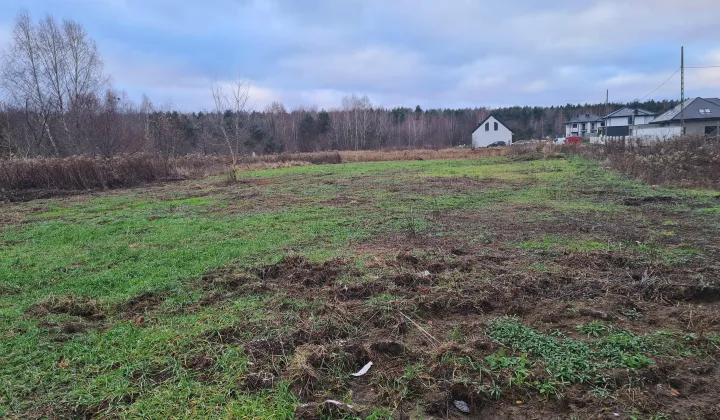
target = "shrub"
x: 691, y: 161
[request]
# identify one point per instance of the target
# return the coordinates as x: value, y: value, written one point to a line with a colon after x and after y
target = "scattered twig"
x: 422, y: 330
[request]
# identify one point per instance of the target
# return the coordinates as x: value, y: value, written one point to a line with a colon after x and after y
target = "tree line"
x: 57, y: 101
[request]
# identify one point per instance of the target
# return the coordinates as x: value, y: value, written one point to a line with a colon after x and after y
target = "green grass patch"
x: 566, y: 360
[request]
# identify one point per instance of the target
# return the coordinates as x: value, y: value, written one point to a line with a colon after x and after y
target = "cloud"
x: 536, y: 86
x: 369, y: 67
x: 404, y: 52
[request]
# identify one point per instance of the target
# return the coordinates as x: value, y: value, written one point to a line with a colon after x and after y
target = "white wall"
x: 623, y: 121
x: 482, y: 138
x: 660, y: 133
x: 691, y: 127
x: 589, y: 130
x: 617, y: 122
x: 643, y: 119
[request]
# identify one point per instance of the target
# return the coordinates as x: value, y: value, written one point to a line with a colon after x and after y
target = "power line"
x: 661, y: 85
x: 702, y: 67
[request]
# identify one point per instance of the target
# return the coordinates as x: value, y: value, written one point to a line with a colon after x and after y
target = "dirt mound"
x: 141, y: 304
x: 392, y: 348
x: 314, y: 367
x: 359, y: 291
x: 226, y: 279
x: 259, y: 380
x: 638, y: 201
x: 81, y: 306
x: 296, y: 269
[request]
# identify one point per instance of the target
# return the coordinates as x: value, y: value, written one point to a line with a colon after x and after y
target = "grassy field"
x: 537, y: 289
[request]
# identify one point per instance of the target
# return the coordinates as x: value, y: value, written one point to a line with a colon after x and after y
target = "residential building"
x: 585, y: 125
x: 489, y: 131
x: 623, y: 121
x: 701, y: 116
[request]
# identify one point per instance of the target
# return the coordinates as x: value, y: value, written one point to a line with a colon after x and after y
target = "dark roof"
x: 585, y: 118
x: 695, y: 109
x: 716, y: 101
x: 488, y: 117
x: 629, y: 112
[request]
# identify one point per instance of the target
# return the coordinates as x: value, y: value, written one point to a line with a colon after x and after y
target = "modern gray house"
x: 701, y: 116
x: 622, y: 121
x: 586, y: 125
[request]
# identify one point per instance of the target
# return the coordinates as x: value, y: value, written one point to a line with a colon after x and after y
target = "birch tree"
x: 48, y: 71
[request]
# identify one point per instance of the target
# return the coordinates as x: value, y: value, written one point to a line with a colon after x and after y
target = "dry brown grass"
x: 86, y: 173
x: 83, y: 172
x: 689, y: 161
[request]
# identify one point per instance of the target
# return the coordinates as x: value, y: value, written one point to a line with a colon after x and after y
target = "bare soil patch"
x: 422, y: 322
x: 82, y: 307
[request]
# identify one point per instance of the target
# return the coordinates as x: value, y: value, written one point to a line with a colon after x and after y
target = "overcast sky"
x: 435, y: 53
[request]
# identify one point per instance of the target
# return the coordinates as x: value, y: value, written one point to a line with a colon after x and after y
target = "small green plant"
x: 632, y: 313
x: 410, y: 224
x: 540, y: 267
x: 380, y: 414
x: 547, y: 388
x: 593, y: 329
x: 601, y: 392
x: 413, y: 371
x: 636, y: 361
x: 669, y: 223
x: 456, y: 334
x: 382, y: 302
x: 494, y: 390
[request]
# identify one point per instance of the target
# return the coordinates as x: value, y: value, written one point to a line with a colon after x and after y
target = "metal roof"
x: 629, y: 112
x: 694, y: 109
x: 586, y: 118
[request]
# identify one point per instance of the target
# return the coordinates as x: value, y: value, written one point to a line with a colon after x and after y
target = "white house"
x: 626, y: 120
x: 489, y: 131
x: 584, y: 125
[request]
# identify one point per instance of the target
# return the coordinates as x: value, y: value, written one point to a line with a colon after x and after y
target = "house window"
x: 583, y: 126
x: 709, y: 129
x: 705, y: 111
x: 574, y: 125
x: 630, y: 121
x: 496, y: 126
x: 487, y: 126
x: 602, y: 123
x: 592, y: 126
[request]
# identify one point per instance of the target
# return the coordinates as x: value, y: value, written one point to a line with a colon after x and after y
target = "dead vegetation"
x: 419, y: 317
x: 689, y: 161
x: 27, y: 179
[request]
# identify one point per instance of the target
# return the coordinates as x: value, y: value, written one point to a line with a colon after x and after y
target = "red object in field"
x: 572, y: 140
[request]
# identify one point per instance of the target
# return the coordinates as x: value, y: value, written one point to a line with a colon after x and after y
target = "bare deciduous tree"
x: 230, y: 102
x: 49, y: 71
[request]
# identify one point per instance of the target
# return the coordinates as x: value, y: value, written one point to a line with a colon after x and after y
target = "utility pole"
x: 607, y: 99
x: 682, y: 90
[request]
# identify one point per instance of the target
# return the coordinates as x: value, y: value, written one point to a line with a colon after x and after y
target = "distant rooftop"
x: 694, y: 109
x: 629, y: 112
x: 586, y: 118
